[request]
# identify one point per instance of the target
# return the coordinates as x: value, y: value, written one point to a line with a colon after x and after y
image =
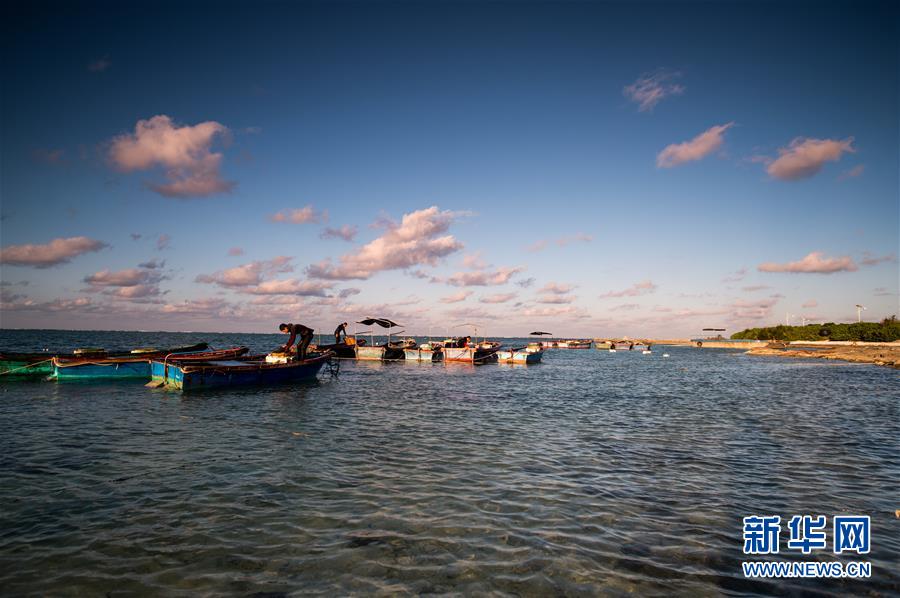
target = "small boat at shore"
x: 41, y: 364
x: 522, y: 355
x: 92, y: 366
x: 226, y: 373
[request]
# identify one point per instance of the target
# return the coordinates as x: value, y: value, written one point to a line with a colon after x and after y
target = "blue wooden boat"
x: 188, y: 376
x: 131, y: 366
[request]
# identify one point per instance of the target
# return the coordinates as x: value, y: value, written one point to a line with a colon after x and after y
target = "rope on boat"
x: 25, y: 367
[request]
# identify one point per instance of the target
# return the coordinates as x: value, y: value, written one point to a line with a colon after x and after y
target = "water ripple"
x: 593, y: 473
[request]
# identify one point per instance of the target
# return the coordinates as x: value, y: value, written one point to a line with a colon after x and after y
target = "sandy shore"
x: 887, y: 355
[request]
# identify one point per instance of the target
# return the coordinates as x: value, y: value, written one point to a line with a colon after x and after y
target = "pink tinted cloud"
x: 755, y: 287
x: 814, y: 263
x: 346, y: 232
x: 481, y: 278
x: 804, y: 157
x: 236, y: 251
x: 563, y: 241
x: 810, y: 303
x: 99, y: 65
x: 57, y: 251
x: 248, y: 275
x: 736, y: 276
x: 305, y: 215
x: 290, y: 286
x: 456, y: 297
x: 474, y: 261
x: 639, y: 288
x: 853, y: 172
x: 498, y: 298
x: 123, y: 278
x: 555, y: 299
x: 651, y: 88
x: 192, y: 168
x: 556, y: 288
x: 696, y: 149
x: 418, y: 239
x: 163, y: 242
x: 870, y: 259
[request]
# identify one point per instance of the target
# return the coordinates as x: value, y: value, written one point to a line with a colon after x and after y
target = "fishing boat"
x: 424, y: 352
x: 41, y: 364
x: 224, y: 373
x: 472, y: 352
x: 135, y: 365
x: 530, y: 354
x: 372, y: 352
x: 468, y: 349
x: 574, y: 344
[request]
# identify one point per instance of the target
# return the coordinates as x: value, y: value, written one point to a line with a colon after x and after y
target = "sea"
x: 592, y: 473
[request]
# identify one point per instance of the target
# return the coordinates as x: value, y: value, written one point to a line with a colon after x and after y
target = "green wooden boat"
x: 35, y: 365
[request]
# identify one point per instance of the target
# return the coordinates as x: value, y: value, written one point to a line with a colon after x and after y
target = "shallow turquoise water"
x: 590, y: 473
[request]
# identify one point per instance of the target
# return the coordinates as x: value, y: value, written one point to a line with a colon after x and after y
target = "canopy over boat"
x: 539, y: 333
x: 383, y: 322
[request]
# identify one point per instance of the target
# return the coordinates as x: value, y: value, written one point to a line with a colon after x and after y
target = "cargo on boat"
x: 135, y: 365
x: 225, y: 373
x: 41, y: 364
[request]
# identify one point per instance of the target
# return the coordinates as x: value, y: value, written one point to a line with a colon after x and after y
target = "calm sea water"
x: 592, y: 473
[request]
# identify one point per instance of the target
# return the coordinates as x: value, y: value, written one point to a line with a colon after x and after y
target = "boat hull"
x: 20, y: 368
x: 520, y: 357
x: 423, y: 355
x: 382, y: 353
x: 127, y: 368
x: 470, y: 355
x: 229, y: 373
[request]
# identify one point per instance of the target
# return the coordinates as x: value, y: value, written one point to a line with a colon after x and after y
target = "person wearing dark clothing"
x: 295, y: 330
x: 342, y: 328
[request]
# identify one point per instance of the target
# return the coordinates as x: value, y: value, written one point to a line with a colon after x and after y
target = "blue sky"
x: 619, y: 168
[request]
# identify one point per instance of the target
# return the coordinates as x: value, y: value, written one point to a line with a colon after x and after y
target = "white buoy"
x: 665, y: 354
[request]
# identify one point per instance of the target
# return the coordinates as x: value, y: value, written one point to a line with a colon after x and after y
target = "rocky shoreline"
x: 884, y: 355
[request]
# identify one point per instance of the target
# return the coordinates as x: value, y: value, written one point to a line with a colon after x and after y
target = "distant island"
x: 888, y: 330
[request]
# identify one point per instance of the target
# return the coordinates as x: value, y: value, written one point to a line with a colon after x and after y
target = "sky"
x: 587, y: 169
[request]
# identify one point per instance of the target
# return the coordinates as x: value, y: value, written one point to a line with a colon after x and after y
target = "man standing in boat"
x: 341, y: 329
x: 295, y: 330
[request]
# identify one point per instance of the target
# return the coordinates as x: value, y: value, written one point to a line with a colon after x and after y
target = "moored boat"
x: 40, y: 364
x: 522, y: 355
x: 131, y: 366
x: 390, y: 351
x: 477, y: 353
x: 424, y: 352
x: 224, y: 373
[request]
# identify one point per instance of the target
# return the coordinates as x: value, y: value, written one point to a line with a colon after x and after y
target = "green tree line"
x: 885, y: 331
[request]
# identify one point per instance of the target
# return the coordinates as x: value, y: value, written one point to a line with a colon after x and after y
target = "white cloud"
x: 417, y: 240
x: 192, y: 169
